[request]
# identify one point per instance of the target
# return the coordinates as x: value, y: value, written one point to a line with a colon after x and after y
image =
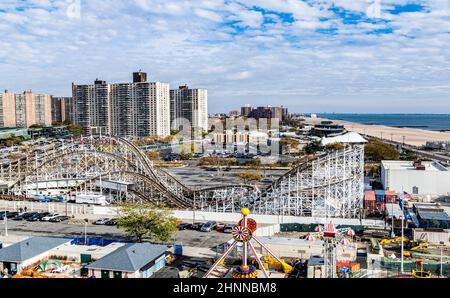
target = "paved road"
x: 428, y: 154
x: 186, y: 238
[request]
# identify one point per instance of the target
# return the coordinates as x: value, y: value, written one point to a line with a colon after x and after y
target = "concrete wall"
x: 431, y: 237
x: 98, y: 274
x: 92, y: 212
x: 270, y: 219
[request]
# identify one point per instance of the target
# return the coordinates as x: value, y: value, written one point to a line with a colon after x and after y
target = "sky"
x: 358, y: 56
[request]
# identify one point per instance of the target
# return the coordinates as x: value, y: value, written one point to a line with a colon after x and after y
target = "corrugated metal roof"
x: 430, y: 215
x: 397, y: 210
x: 30, y: 248
x: 130, y: 258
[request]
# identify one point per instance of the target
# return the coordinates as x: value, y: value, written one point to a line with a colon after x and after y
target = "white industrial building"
x: 425, y: 179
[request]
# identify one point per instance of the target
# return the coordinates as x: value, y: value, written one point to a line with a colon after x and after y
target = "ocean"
x: 434, y: 122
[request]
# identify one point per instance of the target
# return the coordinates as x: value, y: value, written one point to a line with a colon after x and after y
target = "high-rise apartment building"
x: 62, y: 109
x: 135, y: 109
x: 7, y: 109
x: 25, y: 109
x: 268, y: 112
x: 43, y: 108
x: 189, y: 106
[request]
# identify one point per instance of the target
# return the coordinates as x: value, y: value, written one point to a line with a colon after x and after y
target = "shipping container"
x: 391, y: 197
x: 380, y: 195
x: 370, y: 202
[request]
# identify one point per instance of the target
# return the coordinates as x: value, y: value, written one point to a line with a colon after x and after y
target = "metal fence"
x: 394, y: 266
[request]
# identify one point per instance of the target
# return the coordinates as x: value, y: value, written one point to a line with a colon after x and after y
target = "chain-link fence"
x: 408, y: 266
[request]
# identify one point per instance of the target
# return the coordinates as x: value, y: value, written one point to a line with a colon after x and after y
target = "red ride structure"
x: 243, y: 233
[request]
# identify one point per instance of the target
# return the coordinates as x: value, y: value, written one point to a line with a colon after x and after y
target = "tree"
x: 289, y: 144
x: 434, y: 223
x: 254, y: 164
x: 186, y: 155
x: 12, y: 140
x: 153, y: 155
x: 67, y: 122
x: 408, y: 155
x: 36, y: 126
x: 375, y: 170
x: 376, y: 152
x: 145, y: 221
x: 250, y: 176
x: 335, y: 146
x: 174, y: 132
x: 313, y: 147
x: 75, y: 130
x: 215, y: 161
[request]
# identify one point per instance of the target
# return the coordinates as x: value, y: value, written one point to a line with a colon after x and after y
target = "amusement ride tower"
x: 243, y: 233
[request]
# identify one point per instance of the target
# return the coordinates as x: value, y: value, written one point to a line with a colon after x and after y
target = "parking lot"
x: 76, y: 229
x: 195, y: 176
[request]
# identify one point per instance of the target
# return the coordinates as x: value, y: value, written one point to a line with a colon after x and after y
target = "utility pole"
x: 442, y: 257
x: 392, y: 224
x: 401, y: 268
x: 6, y: 225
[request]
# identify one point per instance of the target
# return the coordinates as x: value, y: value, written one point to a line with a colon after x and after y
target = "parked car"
x: 220, y: 227
x: 229, y: 228
x: 25, y: 216
x: 50, y: 216
x: 9, y: 215
x: 195, y: 226
x: 111, y: 222
x: 59, y: 219
x: 209, y: 226
x: 183, y: 226
x: 102, y: 221
x: 38, y: 216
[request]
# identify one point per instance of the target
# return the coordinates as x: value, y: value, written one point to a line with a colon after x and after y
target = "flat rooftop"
x: 394, y: 209
x: 408, y: 166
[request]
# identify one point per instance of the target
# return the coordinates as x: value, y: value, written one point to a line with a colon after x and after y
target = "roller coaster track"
x: 312, y: 184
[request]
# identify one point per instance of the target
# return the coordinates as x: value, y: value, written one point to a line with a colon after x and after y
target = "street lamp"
x: 85, y: 230
x: 401, y: 268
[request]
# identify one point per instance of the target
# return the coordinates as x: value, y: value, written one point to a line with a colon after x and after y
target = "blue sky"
x: 312, y: 56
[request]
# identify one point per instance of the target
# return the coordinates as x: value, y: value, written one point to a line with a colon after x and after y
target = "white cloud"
x: 293, y: 52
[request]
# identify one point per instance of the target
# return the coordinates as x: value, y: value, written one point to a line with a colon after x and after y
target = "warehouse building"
x: 423, y: 179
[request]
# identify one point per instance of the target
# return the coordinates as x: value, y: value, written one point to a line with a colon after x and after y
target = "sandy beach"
x: 412, y: 136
